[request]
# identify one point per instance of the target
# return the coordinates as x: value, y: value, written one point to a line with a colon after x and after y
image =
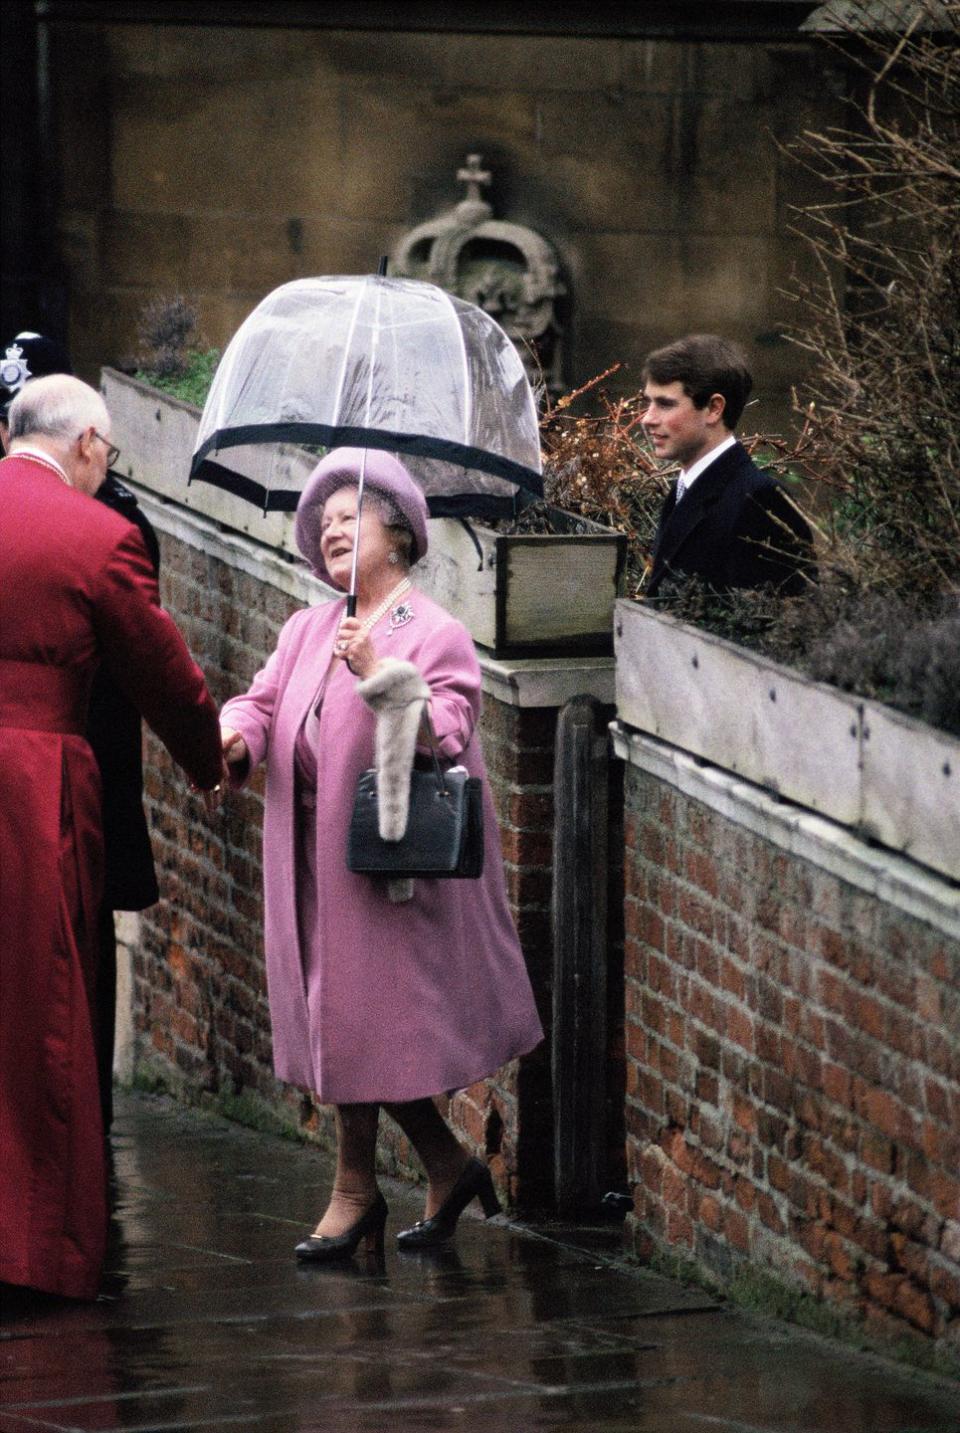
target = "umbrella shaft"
x: 352, y: 594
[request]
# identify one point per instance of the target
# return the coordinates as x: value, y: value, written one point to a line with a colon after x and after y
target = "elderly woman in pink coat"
x: 374, y: 999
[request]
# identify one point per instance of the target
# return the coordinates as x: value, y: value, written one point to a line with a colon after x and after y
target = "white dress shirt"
x: 689, y: 475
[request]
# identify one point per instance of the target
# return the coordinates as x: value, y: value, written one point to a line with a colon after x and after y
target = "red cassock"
x: 76, y: 588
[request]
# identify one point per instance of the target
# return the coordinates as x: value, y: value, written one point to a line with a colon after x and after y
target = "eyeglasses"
x: 113, y: 452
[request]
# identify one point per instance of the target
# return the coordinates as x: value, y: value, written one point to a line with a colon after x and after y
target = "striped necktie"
x: 681, y: 487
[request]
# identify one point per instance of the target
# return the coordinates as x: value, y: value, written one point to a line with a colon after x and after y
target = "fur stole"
x: 395, y: 692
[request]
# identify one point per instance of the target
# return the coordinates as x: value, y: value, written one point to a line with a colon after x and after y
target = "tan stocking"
x: 355, y: 1181
x: 442, y: 1156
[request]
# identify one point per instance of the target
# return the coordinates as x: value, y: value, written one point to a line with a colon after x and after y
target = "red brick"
x: 767, y: 1043
x: 745, y: 1193
x: 939, y: 1102
x: 945, y: 1284
x: 676, y: 1106
x: 928, y: 1000
x: 837, y: 1084
x: 879, y: 1108
x: 904, y: 1033
x: 700, y: 870
x: 651, y: 1091
x: 812, y: 1237
x: 675, y: 1188
x: 705, y: 1007
x: 916, y: 1306
x: 744, y: 1114
x: 696, y: 913
x: 739, y: 1026
x: 950, y: 1241
x: 838, y: 1257
x: 877, y: 1152
x: 832, y: 991
x: 662, y: 977
x: 732, y: 978
x: 706, y: 1048
x: 679, y: 1228
x: 736, y: 1230
x: 777, y: 1090
x: 710, y: 1213
x: 706, y: 1171
x: 769, y: 1214
x: 651, y: 1169
x: 945, y: 1191
x: 654, y: 1013
x: 676, y: 1031
x: 636, y: 1041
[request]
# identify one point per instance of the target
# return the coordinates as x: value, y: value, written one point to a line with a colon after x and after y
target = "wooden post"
x: 580, y: 955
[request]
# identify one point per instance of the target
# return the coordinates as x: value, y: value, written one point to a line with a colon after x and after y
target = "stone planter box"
x: 889, y: 777
x: 517, y: 596
x: 526, y: 594
x: 156, y: 435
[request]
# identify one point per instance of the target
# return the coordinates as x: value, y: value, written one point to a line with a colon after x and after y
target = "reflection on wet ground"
x: 206, y: 1321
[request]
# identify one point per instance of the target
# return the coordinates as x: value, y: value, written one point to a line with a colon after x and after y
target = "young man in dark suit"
x: 724, y: 519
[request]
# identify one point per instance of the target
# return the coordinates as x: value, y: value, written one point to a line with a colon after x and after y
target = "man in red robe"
x: 76, y: 590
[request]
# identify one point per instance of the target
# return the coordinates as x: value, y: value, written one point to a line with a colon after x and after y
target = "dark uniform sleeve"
x: 149, y: 660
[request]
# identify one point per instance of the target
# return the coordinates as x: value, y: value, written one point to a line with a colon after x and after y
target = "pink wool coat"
x: 416, y: 998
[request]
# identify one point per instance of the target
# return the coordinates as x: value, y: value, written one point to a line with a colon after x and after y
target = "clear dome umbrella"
x: 375, y: 362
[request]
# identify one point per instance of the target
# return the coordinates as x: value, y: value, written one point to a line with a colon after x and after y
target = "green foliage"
x: 171, y: 356
x: 192, y: 384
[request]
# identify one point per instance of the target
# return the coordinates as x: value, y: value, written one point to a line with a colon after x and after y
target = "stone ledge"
x: 547, y: 681
x: 827, y: 844
x: 524, y: 682
x: 255, y: 559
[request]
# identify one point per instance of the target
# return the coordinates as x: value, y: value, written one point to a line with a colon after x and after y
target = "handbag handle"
x: 434, y: 750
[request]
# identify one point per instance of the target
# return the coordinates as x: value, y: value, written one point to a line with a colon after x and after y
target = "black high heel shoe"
x: 474, y: 1183
x: 322, y: 1249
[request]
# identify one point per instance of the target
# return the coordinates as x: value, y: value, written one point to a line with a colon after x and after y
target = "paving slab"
x: 207, y: 1322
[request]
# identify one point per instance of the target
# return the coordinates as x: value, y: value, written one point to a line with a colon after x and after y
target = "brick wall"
x: 200, y: 1011
x: 793, y: 1070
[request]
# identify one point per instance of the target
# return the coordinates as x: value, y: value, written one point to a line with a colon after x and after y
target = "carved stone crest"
x: 508, y: 270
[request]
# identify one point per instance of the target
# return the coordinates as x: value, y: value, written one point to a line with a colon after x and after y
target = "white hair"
x: 58, y: 406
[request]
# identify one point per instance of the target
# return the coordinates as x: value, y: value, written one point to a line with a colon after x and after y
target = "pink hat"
x: 385, y: 476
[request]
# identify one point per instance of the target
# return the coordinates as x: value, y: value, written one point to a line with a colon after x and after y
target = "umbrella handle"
x: 351, y: 604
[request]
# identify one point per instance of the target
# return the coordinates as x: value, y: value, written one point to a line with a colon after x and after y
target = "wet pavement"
x: 206, y: 1321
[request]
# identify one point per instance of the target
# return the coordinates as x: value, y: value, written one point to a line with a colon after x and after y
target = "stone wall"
x: 793, y: 1060
x: 220, y: 162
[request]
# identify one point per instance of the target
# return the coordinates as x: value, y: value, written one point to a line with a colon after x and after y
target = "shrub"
x: 171, y: 357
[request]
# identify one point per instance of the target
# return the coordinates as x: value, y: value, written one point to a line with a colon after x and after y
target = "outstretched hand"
x: 233, y: 749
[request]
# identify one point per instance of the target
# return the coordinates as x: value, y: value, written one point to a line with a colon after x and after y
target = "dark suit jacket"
x: 735, y: 527
x: 114, y: 733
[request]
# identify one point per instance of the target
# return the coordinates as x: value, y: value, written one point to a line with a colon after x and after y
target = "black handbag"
x: 444, y: 835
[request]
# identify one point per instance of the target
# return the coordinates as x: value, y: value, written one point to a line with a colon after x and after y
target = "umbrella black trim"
x: 324, y: 435
x: 487, y: 506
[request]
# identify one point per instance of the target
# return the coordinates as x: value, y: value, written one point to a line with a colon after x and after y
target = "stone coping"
x: 523, y: 682
x: 834, y: 848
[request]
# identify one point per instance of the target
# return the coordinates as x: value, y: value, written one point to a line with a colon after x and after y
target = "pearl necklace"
x: 370, y: 622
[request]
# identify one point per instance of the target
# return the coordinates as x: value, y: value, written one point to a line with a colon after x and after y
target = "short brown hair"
x: 704, y: 364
